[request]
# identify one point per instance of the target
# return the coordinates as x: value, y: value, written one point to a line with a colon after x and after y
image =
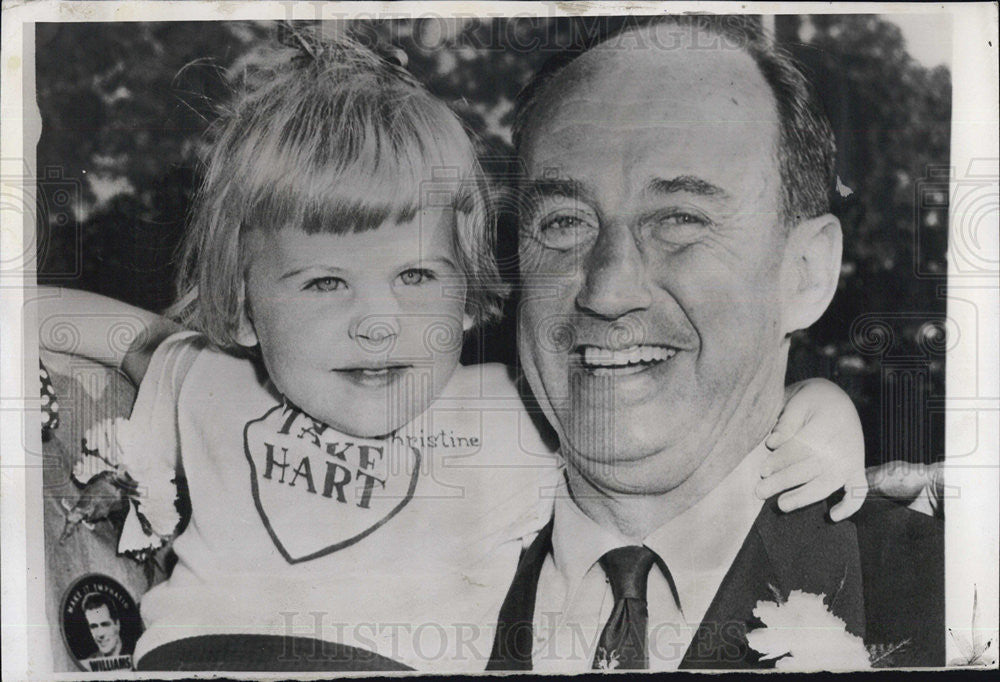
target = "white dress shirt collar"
x: 698, y: 546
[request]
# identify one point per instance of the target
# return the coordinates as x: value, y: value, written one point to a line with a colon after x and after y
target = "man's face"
x: 104, y: 629
x: 650, y: 325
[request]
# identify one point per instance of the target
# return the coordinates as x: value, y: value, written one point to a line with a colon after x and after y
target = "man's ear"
x: 811, y: 270
x: 246, y: 334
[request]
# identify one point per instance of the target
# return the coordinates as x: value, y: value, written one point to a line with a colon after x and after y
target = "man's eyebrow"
x: 685, y: 183
x: 540, y: 188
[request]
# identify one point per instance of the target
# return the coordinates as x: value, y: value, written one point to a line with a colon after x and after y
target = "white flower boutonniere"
x: 801, y: 633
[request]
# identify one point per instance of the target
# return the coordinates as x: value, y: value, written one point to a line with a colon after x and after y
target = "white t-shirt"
x: 399, y: 546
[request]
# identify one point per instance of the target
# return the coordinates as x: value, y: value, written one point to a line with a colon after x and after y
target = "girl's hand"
x: 817, y: 449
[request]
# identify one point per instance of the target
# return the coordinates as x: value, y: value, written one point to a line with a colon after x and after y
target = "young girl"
x: 349, y: 482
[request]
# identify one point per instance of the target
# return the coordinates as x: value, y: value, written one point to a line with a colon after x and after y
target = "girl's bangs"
x: 354, y: 181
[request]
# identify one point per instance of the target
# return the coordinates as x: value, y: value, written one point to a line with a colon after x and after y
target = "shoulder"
x: 201, y: 377
x: 166, y: 371
x: 175, y: 353
x: 497, y: 388
x: 882, y: 524
x: 902, y: 563
x: 488, y: 399
x: 479, y: 396
x: 488, y: 380
x: 899, y: 544
x: 195, y: 356
x: 894, y: 559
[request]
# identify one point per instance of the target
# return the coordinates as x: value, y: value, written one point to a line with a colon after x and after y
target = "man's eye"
x: 566, y: 230
x: 677, y: 227
x: 679, y: 218
x: 415, y: 276
x: 683, y: 219
x: 563, y: 222
x: 326, y: 284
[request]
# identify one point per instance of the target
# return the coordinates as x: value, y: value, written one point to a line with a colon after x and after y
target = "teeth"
x: 605, y: 357
x: 374, y: 372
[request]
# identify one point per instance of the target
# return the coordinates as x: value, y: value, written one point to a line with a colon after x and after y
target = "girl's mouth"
x: 373, y: 377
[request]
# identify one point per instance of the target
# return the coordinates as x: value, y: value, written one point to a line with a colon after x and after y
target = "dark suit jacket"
x: 883, y: 573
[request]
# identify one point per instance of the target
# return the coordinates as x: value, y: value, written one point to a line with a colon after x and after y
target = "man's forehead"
x: 652, y: 112
x: 650, y: 85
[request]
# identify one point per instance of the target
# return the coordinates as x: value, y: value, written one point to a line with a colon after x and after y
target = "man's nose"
x: 614, y: 280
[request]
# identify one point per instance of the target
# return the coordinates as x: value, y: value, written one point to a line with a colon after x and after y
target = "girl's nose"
x: 376, y: 332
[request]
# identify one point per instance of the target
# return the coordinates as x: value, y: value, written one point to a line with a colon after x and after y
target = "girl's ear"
x: 246, y: 335
x: 467, y: 322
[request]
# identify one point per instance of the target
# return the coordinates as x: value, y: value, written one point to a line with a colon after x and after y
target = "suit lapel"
x: 801, y: 550
x: 514, y: 639
x: 720, y: 640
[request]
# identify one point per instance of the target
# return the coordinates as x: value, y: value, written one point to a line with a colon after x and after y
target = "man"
x: 105, y: 627
x: 675, y: 232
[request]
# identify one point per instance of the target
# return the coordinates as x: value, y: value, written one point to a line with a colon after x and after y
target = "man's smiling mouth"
x: 601, y: 361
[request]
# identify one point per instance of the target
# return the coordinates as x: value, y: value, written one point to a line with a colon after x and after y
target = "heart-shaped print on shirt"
x: 318, y: 490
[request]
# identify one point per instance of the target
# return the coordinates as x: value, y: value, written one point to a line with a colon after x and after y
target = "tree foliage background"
x: 125, y: 107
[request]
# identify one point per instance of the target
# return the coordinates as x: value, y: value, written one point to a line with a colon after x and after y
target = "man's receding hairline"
x: 569, y: 76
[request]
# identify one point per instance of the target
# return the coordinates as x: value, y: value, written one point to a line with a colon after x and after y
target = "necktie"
x: 622, y: 645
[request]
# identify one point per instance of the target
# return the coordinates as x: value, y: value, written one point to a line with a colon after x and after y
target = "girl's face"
x: 359, y: 330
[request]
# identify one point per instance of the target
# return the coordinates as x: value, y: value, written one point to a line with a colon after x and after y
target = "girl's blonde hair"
x: 328, y: 136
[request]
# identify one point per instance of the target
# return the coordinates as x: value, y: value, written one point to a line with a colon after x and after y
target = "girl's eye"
x: 326, y: 284
x: 415, y: 276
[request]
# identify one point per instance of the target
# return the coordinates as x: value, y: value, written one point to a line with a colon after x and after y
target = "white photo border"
x: 973, y: 380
